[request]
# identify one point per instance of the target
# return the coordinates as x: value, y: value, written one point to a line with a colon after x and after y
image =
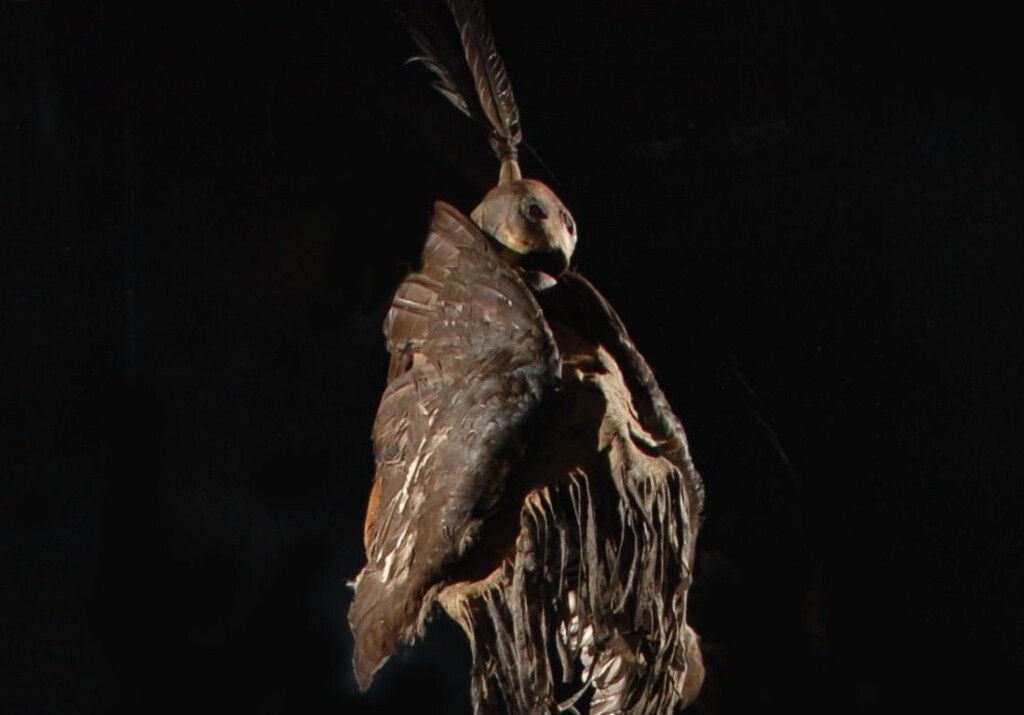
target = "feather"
x: 467, y: 69
x: 493, y: 87
x: 441, y: 52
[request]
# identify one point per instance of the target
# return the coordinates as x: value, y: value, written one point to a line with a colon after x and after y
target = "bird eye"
x: 536, y: 211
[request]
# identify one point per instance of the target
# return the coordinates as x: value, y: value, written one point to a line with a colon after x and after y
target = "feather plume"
x: 467, y: 69
x: 440, y: 51
x: 493, y: 87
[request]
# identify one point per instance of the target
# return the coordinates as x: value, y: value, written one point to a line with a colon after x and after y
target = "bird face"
x: 528, y: 219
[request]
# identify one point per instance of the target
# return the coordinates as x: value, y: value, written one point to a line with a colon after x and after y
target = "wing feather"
x: 472, y: 361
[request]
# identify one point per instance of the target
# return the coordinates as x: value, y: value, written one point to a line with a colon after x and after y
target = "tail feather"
x: 382, y: 616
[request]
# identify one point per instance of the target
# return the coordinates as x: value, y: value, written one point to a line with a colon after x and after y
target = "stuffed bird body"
x: 531, y: 477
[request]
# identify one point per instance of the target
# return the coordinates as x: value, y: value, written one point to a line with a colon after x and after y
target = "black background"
x: 807, y: 213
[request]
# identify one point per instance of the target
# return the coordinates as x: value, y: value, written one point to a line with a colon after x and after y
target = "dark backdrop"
x: 807, y: 214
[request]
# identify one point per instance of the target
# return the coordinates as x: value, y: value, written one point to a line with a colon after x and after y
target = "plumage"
x: 493, y: 86
x: 531, y: 476
x: 441, y: 52
x: 472, y: 360
x: 469, y: 73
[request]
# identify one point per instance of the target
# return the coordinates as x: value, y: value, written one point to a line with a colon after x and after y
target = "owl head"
x: 532, y: 224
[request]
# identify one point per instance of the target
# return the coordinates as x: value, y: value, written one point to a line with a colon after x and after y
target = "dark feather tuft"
x: 493, y: 86
x: 467, y: 68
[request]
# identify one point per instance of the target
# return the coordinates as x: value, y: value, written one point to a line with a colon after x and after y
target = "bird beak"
x: 551, y: 261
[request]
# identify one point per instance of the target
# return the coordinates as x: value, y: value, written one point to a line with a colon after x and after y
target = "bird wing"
x: 472, y: 362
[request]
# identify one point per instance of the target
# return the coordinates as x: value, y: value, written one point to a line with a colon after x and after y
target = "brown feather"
x: 467, y: 69
x: 371, y: 512
x: 493, y: 86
